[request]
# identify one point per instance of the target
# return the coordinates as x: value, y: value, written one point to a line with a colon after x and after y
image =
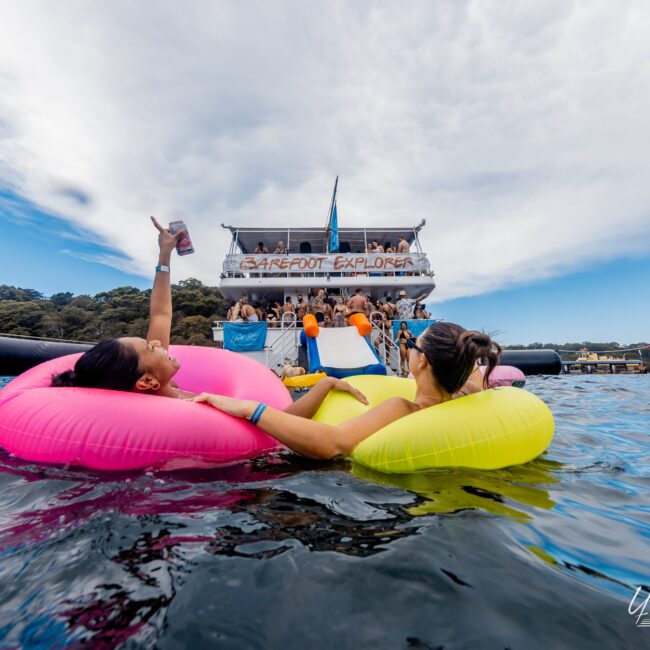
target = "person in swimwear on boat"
x: 443, y: 361
x: 144, y: 365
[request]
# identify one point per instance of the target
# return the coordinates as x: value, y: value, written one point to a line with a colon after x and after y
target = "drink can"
x: 184, y: 245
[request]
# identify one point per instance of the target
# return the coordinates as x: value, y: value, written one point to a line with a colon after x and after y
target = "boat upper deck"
x: 305, y: 251
x: 305, y: 257
x: 314, y: 240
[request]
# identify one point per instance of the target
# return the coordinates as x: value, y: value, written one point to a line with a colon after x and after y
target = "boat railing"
x: 327, y: 264
x: 382, y: 340
x: 284, y: 347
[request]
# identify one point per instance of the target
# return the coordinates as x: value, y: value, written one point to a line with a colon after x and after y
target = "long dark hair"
x: 452, y: 352
x: 110, y: 364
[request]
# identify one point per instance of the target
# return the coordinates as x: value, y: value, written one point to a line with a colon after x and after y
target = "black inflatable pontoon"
x: 533, y: 362
x: 18, y: 355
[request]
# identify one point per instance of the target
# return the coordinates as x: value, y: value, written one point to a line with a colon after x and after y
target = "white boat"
x: 310, y: 262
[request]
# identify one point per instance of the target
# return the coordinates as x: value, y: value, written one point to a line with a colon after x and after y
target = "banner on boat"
x: 240, y: 337
x: 333, y: 263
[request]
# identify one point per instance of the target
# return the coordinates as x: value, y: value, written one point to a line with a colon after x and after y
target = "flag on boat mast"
x: 334, y: 231
x: 333, y: 224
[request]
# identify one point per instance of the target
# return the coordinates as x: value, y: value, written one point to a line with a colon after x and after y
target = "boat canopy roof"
x: 313, y: 240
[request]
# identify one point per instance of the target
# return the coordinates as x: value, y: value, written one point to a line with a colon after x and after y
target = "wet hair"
x: 404, y: 323
x: 452, y: 351
x: 110, y: 364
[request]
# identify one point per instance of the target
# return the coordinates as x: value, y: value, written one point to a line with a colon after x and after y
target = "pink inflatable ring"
x: 115, y: 430
x: 506, y: 376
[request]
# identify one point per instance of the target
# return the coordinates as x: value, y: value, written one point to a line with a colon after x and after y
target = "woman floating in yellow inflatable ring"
x: 443, y: 363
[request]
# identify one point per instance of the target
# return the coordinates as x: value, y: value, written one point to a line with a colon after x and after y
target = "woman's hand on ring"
x: 348, y: 388
x: 240, y: 408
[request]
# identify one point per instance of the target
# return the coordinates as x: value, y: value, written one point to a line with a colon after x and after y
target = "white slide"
x: 342, y: 351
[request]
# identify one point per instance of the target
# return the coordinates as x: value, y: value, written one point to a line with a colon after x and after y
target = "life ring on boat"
x: 115, y: 430
x: 487, y: 430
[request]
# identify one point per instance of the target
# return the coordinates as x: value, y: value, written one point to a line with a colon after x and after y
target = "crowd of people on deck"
x: 335, y: 311
x: 329, y: 310
x: 373, y: 247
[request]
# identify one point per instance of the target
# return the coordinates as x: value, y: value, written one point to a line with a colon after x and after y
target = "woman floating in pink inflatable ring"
x: 145, y: 366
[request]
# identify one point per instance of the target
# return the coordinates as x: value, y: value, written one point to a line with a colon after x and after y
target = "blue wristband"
x: 257, y: 413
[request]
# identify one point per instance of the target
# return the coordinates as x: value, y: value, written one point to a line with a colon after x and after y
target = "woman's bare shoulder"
x: 398, y: 404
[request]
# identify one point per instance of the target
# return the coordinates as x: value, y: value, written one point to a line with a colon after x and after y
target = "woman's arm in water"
x: 160, y: 305
x: 308, y: 404
x: 309, y: 438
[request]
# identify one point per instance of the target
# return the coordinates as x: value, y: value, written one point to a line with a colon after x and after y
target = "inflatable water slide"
x: 341, y: 351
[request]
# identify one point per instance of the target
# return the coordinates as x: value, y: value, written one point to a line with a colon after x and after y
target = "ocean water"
x: 282, y: 552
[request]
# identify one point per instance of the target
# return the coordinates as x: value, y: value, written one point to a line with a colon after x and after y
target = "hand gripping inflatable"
x: 488, y: 430
x: 115, y: 430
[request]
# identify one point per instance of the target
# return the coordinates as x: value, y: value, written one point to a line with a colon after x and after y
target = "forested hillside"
x: 122, y: 311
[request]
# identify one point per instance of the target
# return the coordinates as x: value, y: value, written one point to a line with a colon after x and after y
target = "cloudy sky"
x: 517, y: 129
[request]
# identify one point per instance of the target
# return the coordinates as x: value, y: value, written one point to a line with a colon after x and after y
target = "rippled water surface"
x: 286, y: 553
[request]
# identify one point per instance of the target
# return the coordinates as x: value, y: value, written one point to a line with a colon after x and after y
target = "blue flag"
x: 334, y: 231
x: 240, y: 337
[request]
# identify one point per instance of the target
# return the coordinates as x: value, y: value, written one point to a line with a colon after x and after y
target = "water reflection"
x: 173, y: 558
x: 501, y: 492
x: 286, y: 517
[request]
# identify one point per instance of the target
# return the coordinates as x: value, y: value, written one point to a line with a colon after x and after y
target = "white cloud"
x: 516, y: 129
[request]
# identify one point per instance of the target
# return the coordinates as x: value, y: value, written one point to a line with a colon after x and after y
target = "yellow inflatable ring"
x: 488, y: 430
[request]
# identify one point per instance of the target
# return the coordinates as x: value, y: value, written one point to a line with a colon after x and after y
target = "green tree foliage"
x: 18, y: 294
x: 123, y: 311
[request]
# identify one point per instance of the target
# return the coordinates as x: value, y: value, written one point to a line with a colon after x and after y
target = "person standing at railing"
x: 340, y: 310
x: 406, y: 306
x: 261, y: 249
x: 288, y: 308
x: 230, y: 316
x: 317, y: 303
x: 402, y: 339
x: 358, y: 303
x: 390, y: 307
x: 302, y: 307
x: 247, y: 312
x: 420, y: 312
x: 257, y: 306
x: 280, y: 249
x: 403, y: 245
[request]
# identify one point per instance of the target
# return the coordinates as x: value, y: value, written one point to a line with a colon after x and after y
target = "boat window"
x: 305, y: 247
x: 344, y: 247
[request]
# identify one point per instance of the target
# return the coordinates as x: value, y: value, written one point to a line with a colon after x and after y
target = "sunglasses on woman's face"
x: 412, y: 344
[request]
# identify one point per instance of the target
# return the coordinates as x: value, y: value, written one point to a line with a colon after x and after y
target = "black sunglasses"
x: 411, y: 343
